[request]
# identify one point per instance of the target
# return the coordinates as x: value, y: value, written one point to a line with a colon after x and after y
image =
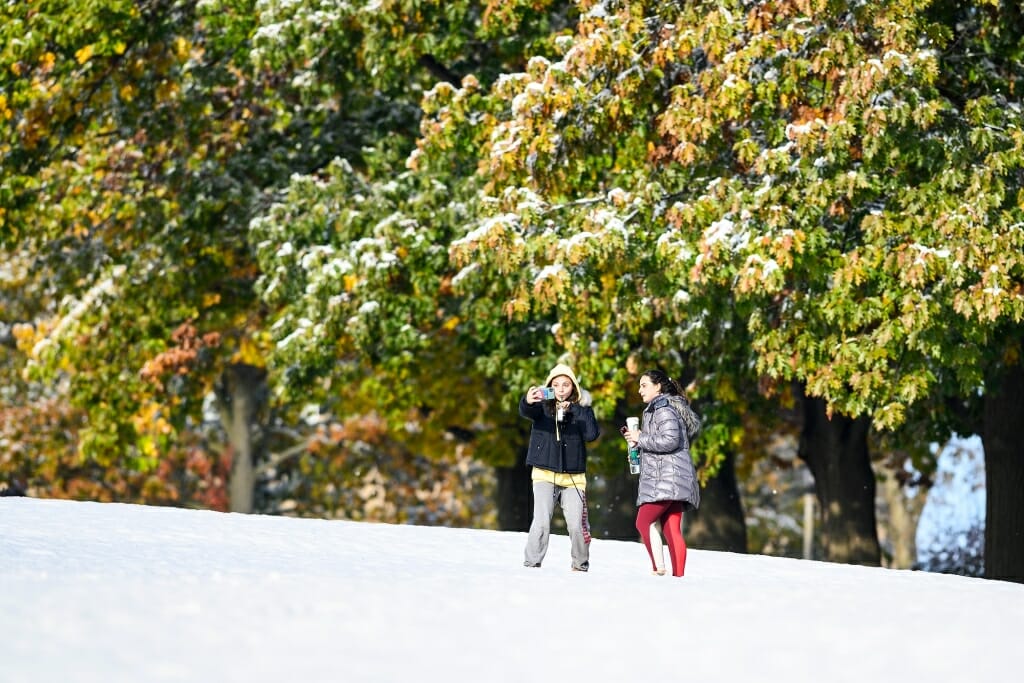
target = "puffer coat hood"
x: 666, y: 470
x: 580, y: 396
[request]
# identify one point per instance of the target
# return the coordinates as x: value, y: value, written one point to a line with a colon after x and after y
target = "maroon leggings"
x: 670, y: 514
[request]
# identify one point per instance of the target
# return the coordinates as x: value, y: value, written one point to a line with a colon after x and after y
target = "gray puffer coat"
x: 666, y: 470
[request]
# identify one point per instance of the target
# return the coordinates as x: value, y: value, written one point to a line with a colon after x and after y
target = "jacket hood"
x: 691, y: 420
x: 582, y: 397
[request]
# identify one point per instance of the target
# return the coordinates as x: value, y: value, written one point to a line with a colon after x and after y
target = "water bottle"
x: 634, y: 460
x: 632, y: 424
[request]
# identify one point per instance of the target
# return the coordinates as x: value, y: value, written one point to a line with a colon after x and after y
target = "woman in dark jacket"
x: 668, y: 479
x: 562, y: 425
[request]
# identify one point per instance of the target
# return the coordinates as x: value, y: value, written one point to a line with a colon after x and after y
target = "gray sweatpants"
x: 545, y: 495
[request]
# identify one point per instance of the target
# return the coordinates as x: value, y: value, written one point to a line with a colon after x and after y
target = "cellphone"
x: 549, y: 393
x: 623, y: 429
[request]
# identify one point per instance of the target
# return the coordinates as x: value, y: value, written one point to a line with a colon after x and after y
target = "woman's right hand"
x: 534, y: 394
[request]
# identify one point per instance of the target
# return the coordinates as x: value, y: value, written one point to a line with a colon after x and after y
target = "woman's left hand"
x: 632, y: 436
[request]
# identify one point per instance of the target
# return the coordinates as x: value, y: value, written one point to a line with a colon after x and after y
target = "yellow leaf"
x: 84, y: 54
x: 167, y: 90
x: 25, y: 335
x: 147, y: 446
x: 249, y: 352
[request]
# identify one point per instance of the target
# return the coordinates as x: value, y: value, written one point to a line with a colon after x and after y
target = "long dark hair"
x: 659, y: 377
x: 691, y: 420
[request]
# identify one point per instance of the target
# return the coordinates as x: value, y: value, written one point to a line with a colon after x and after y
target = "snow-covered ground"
x: 105, y: 592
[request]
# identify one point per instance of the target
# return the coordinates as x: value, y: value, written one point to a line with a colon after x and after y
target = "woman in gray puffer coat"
x: 668, y: 479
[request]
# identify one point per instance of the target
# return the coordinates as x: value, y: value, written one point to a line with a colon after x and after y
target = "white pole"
x: 808, y: 525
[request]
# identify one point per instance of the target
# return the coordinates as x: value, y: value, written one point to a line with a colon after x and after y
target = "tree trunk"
x: 836, y: 452
x: 1004, y: 476
x: 719, y: 524
x: 612, y: 502
x: 901, y: 515
x: 515, y: 496
x: 241, y: 393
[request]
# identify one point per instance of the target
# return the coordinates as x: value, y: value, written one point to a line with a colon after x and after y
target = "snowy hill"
x: 104, y: 592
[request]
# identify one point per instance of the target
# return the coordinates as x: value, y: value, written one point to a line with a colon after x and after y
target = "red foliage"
x: 181, y: 357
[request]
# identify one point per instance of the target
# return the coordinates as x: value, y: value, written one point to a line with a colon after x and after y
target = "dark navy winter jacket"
x: 560, y: 447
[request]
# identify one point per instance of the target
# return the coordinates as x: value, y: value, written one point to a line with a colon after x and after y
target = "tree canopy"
x: 418, y: 206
